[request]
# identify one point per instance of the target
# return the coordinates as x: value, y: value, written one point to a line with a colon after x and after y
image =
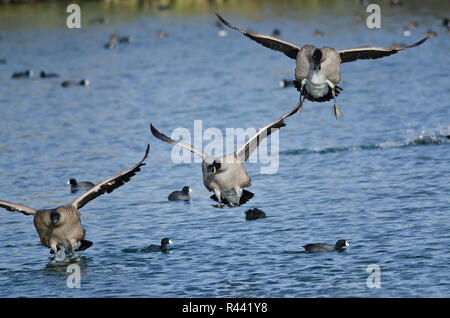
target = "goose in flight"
x: 61, y: 226
x: 227, y: 176
x: 317, y: 69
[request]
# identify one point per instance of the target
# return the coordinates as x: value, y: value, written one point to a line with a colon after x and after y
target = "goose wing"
x: 271, y: 42
x: 164, y: 138
x: 17, y: 207
x: 109, y: 185
x: 373, y: 52
x: 247, y: 149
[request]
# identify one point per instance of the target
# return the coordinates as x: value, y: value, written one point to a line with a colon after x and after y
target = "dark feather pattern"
x: 328, y: 96
x: 110, y: 184
x: 268, y: 41
x: 84, y: 245
x: 17, y: 207
x: 245, y: 197
x: 371, y: 52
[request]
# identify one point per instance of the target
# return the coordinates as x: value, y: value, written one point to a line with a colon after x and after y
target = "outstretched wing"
x: 163, y: 137
x: 17, y: 207
x: 271, y: 42
x: 247, y: 149
x: 373, y: 52
x: 109, y: 185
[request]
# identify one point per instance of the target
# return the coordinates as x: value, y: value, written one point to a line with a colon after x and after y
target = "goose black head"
x: 317, y: 58
x: 213, y: 168
x: 54, y: 217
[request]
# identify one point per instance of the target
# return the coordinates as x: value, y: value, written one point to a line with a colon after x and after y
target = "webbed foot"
x: 337, y: 112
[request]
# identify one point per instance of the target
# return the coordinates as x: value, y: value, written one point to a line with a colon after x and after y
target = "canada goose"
x: 162, y: 247
x: 61, y: 226
x: 226, y: 176
x: 83, y: 185
x: 317, y: 73
x: 182, y: 195
x: 322, y: 247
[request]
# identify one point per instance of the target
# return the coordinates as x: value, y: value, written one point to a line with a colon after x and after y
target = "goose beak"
x: 346, y: 244
x: 170, y: 242
x: 190, y: 190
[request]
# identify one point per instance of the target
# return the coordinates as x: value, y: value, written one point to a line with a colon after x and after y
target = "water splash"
x: 421, y: 140
x: 60, y: 256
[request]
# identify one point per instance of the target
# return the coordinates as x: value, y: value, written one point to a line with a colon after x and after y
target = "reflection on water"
x: 416, y: 141
x: 60, y: 266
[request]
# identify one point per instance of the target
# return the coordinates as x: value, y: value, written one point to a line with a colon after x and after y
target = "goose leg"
x: 54, y: 247
x: 337, y: 112
x: 300, y: 104
x: 300, y: 100
x: 73, y: 244
x: 60, y: 255
x: 219, y: 204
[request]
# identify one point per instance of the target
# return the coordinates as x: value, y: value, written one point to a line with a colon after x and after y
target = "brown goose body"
x: 61, y: 226
x: 226, y: 176
x: 67, y: 229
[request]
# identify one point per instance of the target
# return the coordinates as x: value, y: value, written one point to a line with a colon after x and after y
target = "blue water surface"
x: 378, y: 177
